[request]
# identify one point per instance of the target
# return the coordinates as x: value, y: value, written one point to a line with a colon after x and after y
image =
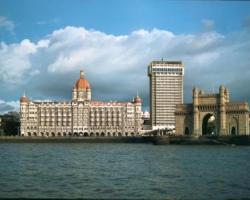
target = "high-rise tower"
x: 166, y: 91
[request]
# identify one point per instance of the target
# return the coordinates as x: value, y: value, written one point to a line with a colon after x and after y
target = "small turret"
x: 195, y: 96
x: 227, y: 94
x: 195, y: 91
x: 222, y: 95
x: 222, y: 89
x: 24, y: 99
x: 137, y: 99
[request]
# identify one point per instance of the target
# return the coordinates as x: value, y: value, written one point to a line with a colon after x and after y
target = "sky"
x: 45, y: 43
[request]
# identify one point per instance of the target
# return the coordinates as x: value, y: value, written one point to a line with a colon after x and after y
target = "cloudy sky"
x: 44, y: 44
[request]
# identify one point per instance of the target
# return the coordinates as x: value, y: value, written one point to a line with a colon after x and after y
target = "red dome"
x: 138, y: 100
x: 24, y: 99
x: 82, y: 83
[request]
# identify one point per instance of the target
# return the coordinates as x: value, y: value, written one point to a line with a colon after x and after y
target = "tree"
x: 10, y: 123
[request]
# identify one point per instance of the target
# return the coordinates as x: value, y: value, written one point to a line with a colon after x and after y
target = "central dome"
x: 82, y: 83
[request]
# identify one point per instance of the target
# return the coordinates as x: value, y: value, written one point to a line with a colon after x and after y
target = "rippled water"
x: 124, y: 171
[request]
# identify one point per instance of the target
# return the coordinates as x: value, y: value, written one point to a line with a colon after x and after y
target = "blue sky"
x: 34, y: 19
x: 210, y: 37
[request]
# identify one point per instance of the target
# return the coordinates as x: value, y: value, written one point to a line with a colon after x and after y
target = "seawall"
x: 18, y: 139
x: 157, y: 140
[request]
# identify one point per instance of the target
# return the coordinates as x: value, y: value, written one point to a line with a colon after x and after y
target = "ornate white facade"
x: 81, y: 116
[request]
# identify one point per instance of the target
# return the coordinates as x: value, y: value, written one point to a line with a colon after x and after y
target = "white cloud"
x: 116, y: 66
x: 7, y: 24
x: 15, y: 60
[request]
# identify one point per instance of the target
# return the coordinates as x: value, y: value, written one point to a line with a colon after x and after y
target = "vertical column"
x: 222, y: 111
x: 196, y: 129
x: 247, y: 119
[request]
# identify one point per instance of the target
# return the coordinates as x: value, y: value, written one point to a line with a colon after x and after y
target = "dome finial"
x: 82, y: 74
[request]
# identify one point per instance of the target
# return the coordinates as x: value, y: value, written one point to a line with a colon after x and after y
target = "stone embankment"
x: 203, y: 140
x: 157, y: 140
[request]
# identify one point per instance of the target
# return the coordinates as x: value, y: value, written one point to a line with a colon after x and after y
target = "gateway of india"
x: 212, y: 114
x: 81, y: 116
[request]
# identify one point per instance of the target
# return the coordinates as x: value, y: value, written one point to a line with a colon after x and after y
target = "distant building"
x: 212, y: 114
x: 146, y: 121
x: 166, y: 90
x: 82, y: 116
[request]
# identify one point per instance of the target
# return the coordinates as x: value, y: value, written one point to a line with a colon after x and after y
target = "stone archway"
x: 85, y: 134
x: 187, y: 132
x: 233, y: 131
x: 76, y: 134
x: 233, y: 126
x: 102, y: 134
x: 209, y: 125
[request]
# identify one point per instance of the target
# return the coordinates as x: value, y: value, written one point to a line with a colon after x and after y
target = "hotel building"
x: 166, y: 91
x: 81, y: 116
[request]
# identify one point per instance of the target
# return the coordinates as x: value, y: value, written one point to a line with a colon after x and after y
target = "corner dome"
x: 24, y: 99
x: 82, y: 83
x: 137, y: 99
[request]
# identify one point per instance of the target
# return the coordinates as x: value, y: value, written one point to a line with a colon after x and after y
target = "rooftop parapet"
x: 165, y: 62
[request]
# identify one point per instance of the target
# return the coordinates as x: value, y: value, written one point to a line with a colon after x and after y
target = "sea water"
x: 80, y: 170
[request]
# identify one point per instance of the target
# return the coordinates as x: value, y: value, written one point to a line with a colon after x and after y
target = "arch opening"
x: 233, y: 126
x: 209, y: 125
x: 187, y: 131
x: 233, y: 131
x: 85, y: 134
